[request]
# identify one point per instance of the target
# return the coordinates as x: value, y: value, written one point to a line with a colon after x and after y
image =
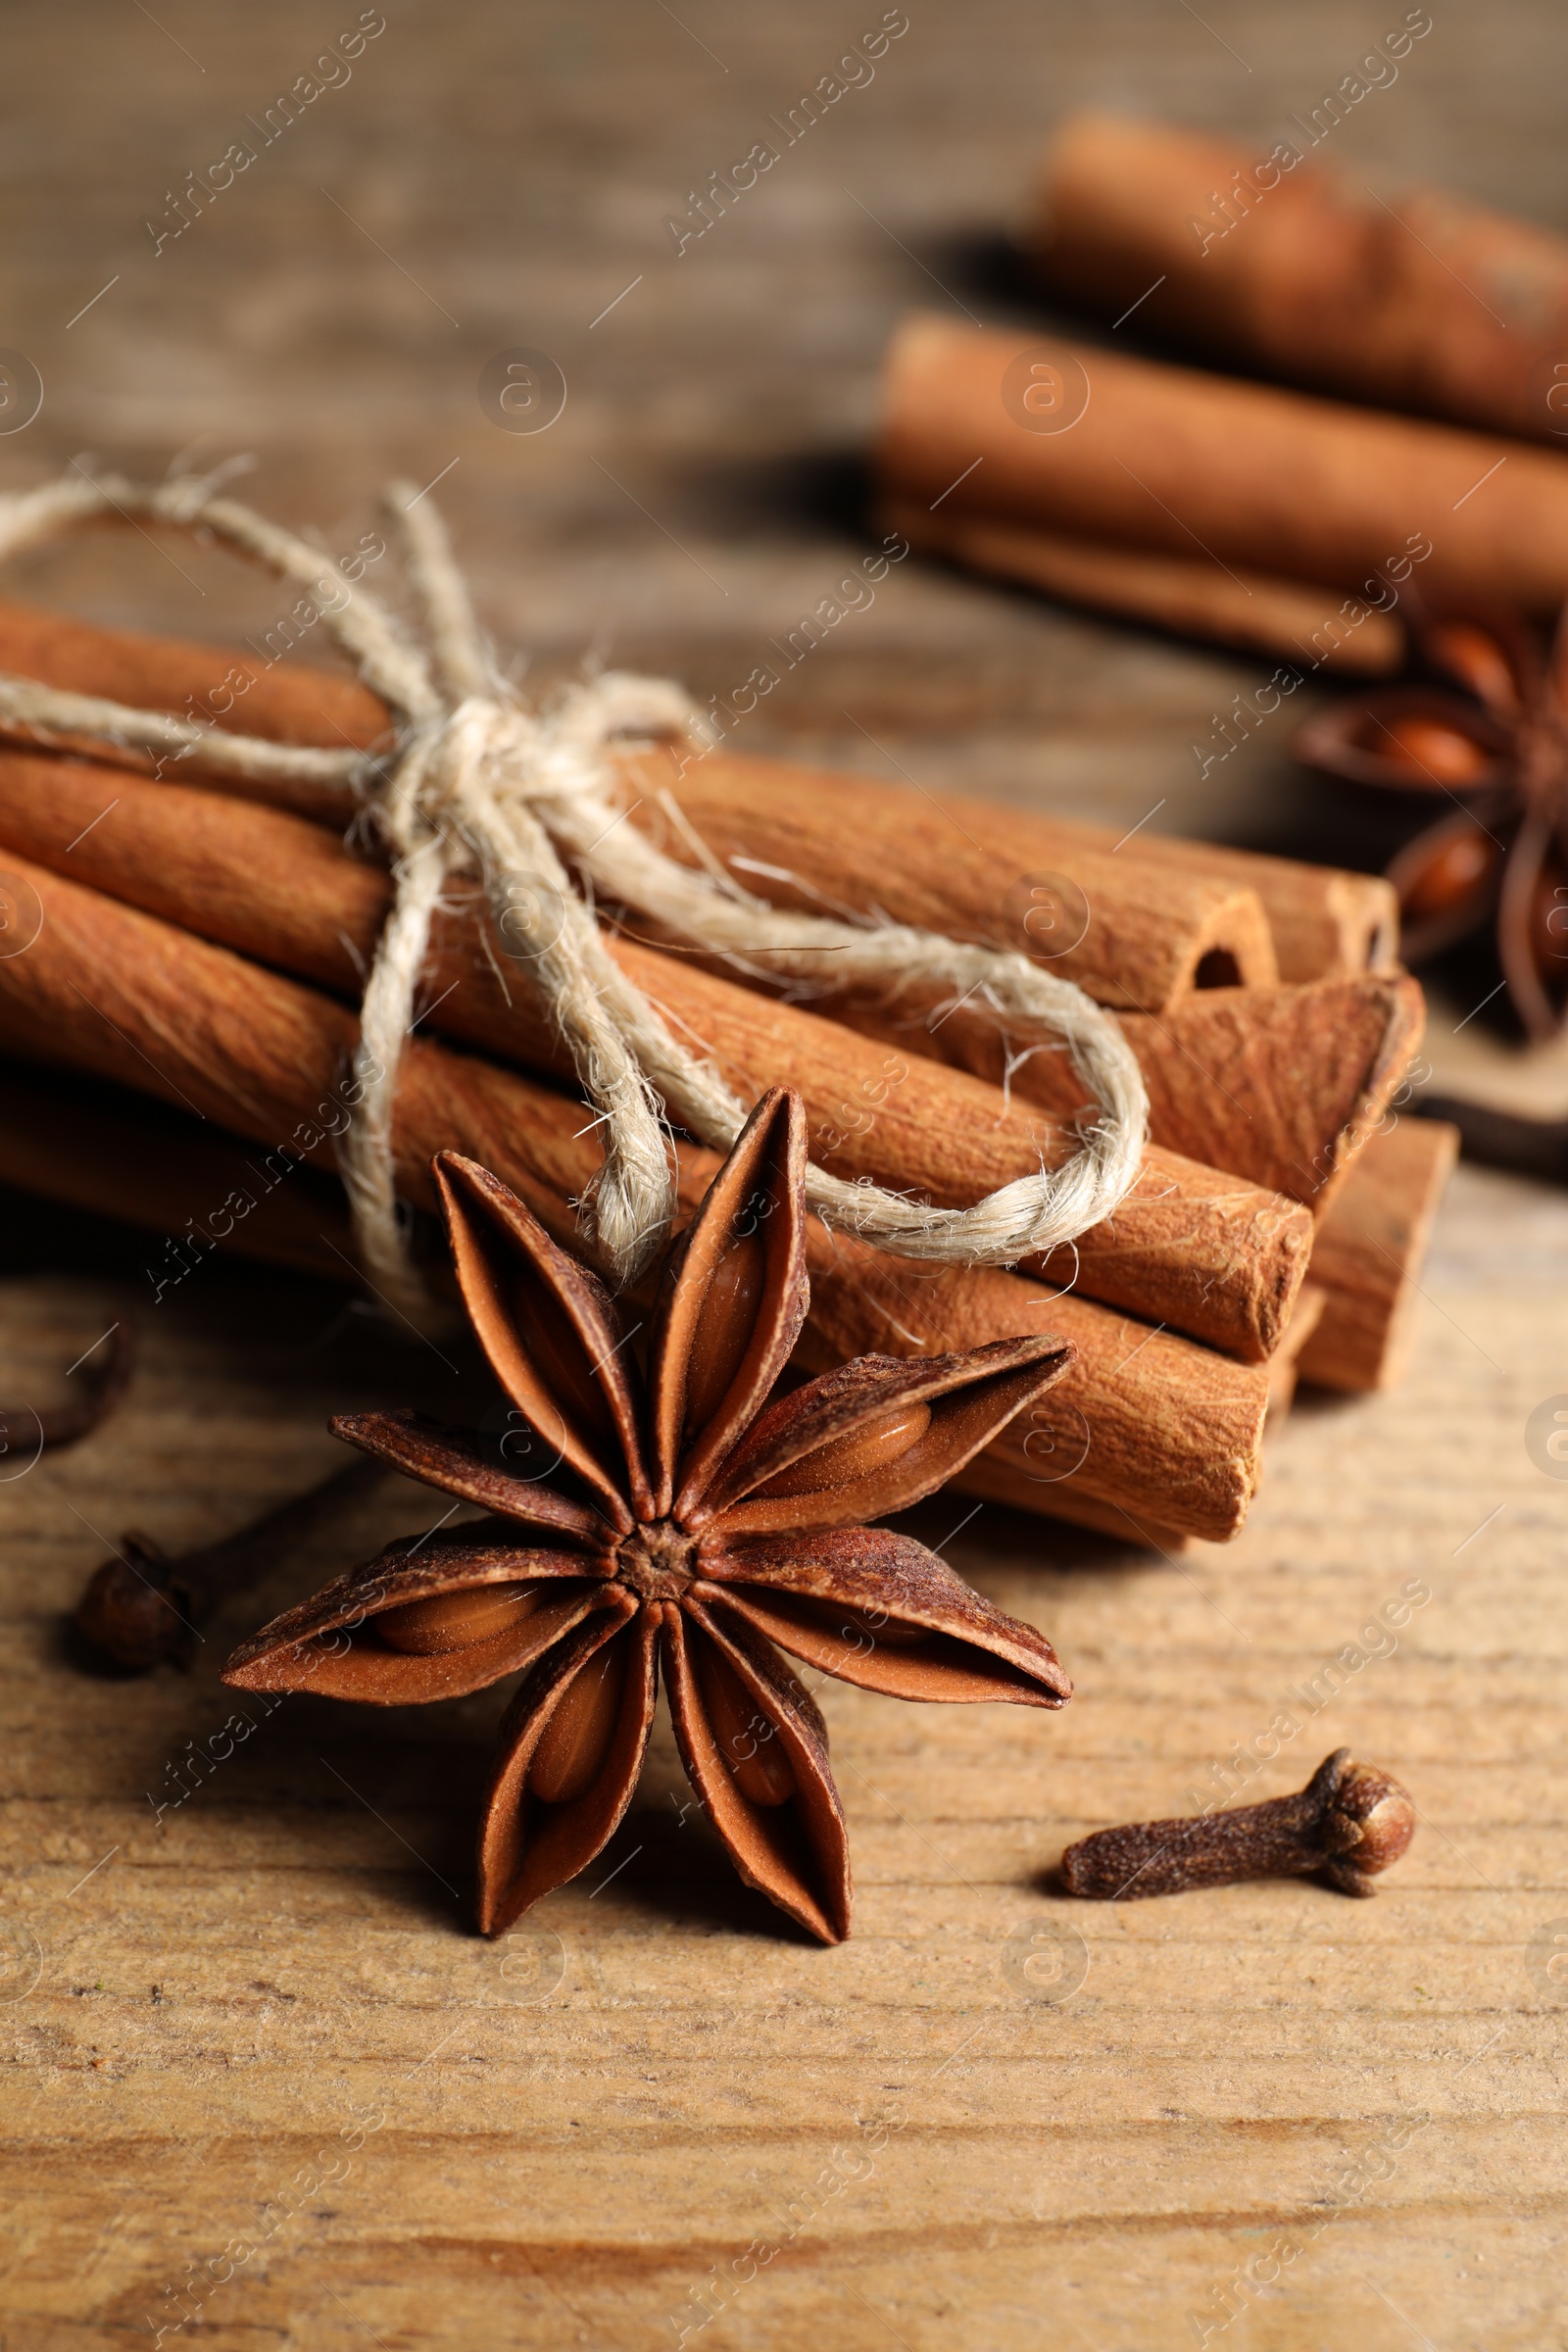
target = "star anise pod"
x: 1497, y: 751
x: 703, y: 1530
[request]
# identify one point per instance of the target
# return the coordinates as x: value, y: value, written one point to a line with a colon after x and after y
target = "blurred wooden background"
x: 652, y: 2118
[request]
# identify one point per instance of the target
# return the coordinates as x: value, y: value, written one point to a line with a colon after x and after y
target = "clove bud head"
x: 1368, y: 1824
x: 127, y: 1613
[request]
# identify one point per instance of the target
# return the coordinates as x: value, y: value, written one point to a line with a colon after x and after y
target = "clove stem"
x: 97, y: 1395
x: 1349, y: 1823
x: 141, y: 1608
x: 1501, y: 1139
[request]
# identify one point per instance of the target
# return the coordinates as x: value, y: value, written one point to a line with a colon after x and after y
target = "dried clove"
x: 96, y: 1395
x: 141, y: 1608
x: 1502, y: 1139
x: 1349, y: 1821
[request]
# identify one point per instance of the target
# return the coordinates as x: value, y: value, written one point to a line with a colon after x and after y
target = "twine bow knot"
x: 476, y: 779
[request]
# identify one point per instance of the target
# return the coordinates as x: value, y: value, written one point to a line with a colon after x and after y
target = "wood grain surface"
x: 262, y: 2087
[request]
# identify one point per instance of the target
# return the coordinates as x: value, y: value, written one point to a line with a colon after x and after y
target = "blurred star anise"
x: 703, y: 1526
x: 1498, y: 751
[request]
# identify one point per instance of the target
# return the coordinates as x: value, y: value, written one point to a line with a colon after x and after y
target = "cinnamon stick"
x: 1323, y: 922
x: 1422, y: 301
x: 1284, y: 1365
x: 1280, y: 1085
x: 1189, y: 1247
x: 1239, y: 605
x: 260, y: 694
x: 1369, y: 1252
x: 1003, y: 1480
x: 1170, y: 1429
x: 1327, y: 923
x: 1261, y: 480
x: 1121, y: 924
x: 92, y: 1149
x: 1273, y: 1085
x: 1017, y: 879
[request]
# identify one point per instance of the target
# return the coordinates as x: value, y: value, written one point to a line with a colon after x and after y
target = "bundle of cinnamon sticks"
x: 192, y: 959
x: 1272, y: 520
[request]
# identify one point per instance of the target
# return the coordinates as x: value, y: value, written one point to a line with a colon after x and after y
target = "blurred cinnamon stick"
x: 1150, y: 460
x: 1233, y: 604
x: 1168, y: 1429
x: 93, y: 1149
x: 1369, y: 1252
x: 1424, y: 302
x: 1190, y: 1246
x: 1502, y: 1139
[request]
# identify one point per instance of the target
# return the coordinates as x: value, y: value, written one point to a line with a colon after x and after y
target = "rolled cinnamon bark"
x: 1129, y: 929
x: 1328, y: 924
x: 1281, y: 1086
x: 1323, y: 922
x: 1170, y: 1429
x: 1168, y: 461
x: 87, y: 1146
x: 1001, y: 1476
x: 1369, y: 1254
x: 1284, y: 1365
x: 255, y: 693
x: 1125, y: 925
x: 1426, y: 300
x: 1017, y: 879
x: 1189, y: 1247
x: 1253, y: 611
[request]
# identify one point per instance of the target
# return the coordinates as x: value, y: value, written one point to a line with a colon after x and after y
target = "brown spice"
x: 1170, y: 1430
x: 1369, y: 1252
x: 1326, y: 923
x: 1268, y: 481
x: 1241, y: 605
x: 25, y: 1431
x: 1349, y: 1821
x: 1491, y: 740
x: 1279, y: 1084
x: 1188, y: 1248
x: 141, y: 1608
x: 696, y: 1526
x: 1431, y: 303
x: 1020, y: 876
x: 1502, y: 1139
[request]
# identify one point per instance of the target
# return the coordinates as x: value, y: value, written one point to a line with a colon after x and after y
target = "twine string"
x: 477, y: 778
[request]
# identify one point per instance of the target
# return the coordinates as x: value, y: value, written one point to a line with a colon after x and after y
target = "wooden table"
x: 264, y: 2087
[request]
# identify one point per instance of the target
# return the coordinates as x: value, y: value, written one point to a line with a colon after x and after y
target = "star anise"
x: 701, y: 1530
x: 1497, y: 751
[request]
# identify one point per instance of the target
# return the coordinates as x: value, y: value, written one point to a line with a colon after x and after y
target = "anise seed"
x: 1473, y: 656
x: 576, y: 1738
x: 456, y: 1620
x: 746, y: 1740
x: 1443, y: 753
x: 854, y: 1456
x: 724, y: 1328
x: 890, y: 1632
x: 1455, y: 867
x: 557, y: 1354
